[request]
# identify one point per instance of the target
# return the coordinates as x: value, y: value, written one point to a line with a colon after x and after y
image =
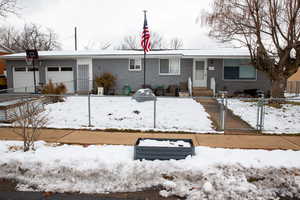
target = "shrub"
x: 55, y: 89
x: 106, y: 80
x: 27, y: 119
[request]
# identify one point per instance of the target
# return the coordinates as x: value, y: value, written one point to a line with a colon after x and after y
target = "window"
x: 30, y: 69
x: 53, y: 69
x: 169, y: 66
x: 20, y: 69
x: 64, y: 69
x: 135, y: 64
x: 238, y: 70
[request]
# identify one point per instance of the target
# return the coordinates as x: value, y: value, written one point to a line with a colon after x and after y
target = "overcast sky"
x: 101, y: 21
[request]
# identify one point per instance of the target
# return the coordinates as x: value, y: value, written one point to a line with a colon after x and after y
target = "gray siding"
x: 119, y: 68
x: 262, y: 82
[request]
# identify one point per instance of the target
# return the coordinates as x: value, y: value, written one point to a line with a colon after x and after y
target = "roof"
x: 5, y: 49
x: 212, y: 53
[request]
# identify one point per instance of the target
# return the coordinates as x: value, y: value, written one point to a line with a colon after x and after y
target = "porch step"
x: 202, y: 91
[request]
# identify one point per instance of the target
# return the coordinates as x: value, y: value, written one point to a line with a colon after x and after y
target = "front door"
x: 83, y: 78
x: 199, y: 73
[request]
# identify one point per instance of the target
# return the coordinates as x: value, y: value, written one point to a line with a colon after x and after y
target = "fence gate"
x: 232, y: 123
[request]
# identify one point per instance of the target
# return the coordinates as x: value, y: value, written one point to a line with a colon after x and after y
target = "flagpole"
x: 144, y: 86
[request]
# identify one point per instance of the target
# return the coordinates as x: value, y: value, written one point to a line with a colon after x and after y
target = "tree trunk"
x: 278, y: 87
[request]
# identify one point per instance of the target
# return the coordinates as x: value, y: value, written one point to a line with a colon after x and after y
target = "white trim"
x: 135, y: 59
x: 169, y: 74
x: 205, y: 72
x: 217, y: 57
x: 244, y: 80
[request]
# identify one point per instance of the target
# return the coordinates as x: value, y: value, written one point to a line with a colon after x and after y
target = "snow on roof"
x: 4, y: 49
x: 220, y: 52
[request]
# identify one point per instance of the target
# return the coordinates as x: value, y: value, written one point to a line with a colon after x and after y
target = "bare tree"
x: 105, y: 45
x: 27, y: 119
x: 157, y: 41
x: 94, y: 45
x: 270, y: 29
x: 130, y: 42
x: 7, y: 7
x: 31, y: 37
x: 134, y: 43
x: 176, y: 43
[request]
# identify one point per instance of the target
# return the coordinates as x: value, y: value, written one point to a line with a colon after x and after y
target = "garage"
x: 23, y: 79
x: 61, y: 74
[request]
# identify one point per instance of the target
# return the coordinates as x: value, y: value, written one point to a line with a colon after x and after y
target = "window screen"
x: 247, y: 72
x: 31, y: 69
x: 20, y: 69
x: 53, y: 69
x: 131, y: 64
x: 238, y: 69
x: 135, y: 64
x: 64, y: 69
x: 164, y: 66
x: 231, y: 72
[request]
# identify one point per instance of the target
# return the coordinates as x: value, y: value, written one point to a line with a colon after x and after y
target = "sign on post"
x: 32, y: 54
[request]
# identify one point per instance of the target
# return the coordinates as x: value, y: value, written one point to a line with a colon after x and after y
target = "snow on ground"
x: 164, y: 143
x: 292, y: 95
x: 278, y: 121
x: 211, y: 174
x: 173, y: 114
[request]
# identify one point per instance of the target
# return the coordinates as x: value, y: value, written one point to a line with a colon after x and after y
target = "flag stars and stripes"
x: 145, y: 37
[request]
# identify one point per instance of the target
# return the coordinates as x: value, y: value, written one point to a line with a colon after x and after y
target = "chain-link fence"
x: 169, y: 114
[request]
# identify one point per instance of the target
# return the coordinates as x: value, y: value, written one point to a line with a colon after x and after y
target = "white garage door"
x: 61, y: 74
x: 24, y: 80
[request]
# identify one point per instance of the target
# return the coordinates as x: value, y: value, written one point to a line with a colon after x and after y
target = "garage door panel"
x: 24, y: 80
x: 65, y: 77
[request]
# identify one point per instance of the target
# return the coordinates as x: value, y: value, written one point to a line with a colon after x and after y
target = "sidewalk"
x: 268, y: 142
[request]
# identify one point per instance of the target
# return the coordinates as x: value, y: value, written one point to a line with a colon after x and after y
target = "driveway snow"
x: 278, y: 121
x: 172, y: 114
x: 211, y: 174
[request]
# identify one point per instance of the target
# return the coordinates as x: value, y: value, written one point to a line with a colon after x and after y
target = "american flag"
x: 146, y: 36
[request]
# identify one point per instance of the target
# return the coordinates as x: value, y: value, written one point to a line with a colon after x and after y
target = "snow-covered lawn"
x: 211, y: 174
x: 173, y: 114
x: 283, y: 120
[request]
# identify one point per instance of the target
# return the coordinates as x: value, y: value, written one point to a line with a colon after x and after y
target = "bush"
x: 106, y: 80
x: 27, y: 119
x: 55, y: 89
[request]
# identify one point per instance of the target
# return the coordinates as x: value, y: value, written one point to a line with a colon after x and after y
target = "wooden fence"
x: 293, y: 87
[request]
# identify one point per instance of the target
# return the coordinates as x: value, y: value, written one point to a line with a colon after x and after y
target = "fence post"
x: 222, y: 113
x: 89, y: 108
x: 260, y: 113
x: 154, y: 121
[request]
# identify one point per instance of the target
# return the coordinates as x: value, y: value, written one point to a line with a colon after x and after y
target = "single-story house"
x: 216, y: 69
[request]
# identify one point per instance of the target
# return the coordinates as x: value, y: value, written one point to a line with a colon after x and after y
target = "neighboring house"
x: 293, y: 83
x: 3, y: 51
x: 228, y: 68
